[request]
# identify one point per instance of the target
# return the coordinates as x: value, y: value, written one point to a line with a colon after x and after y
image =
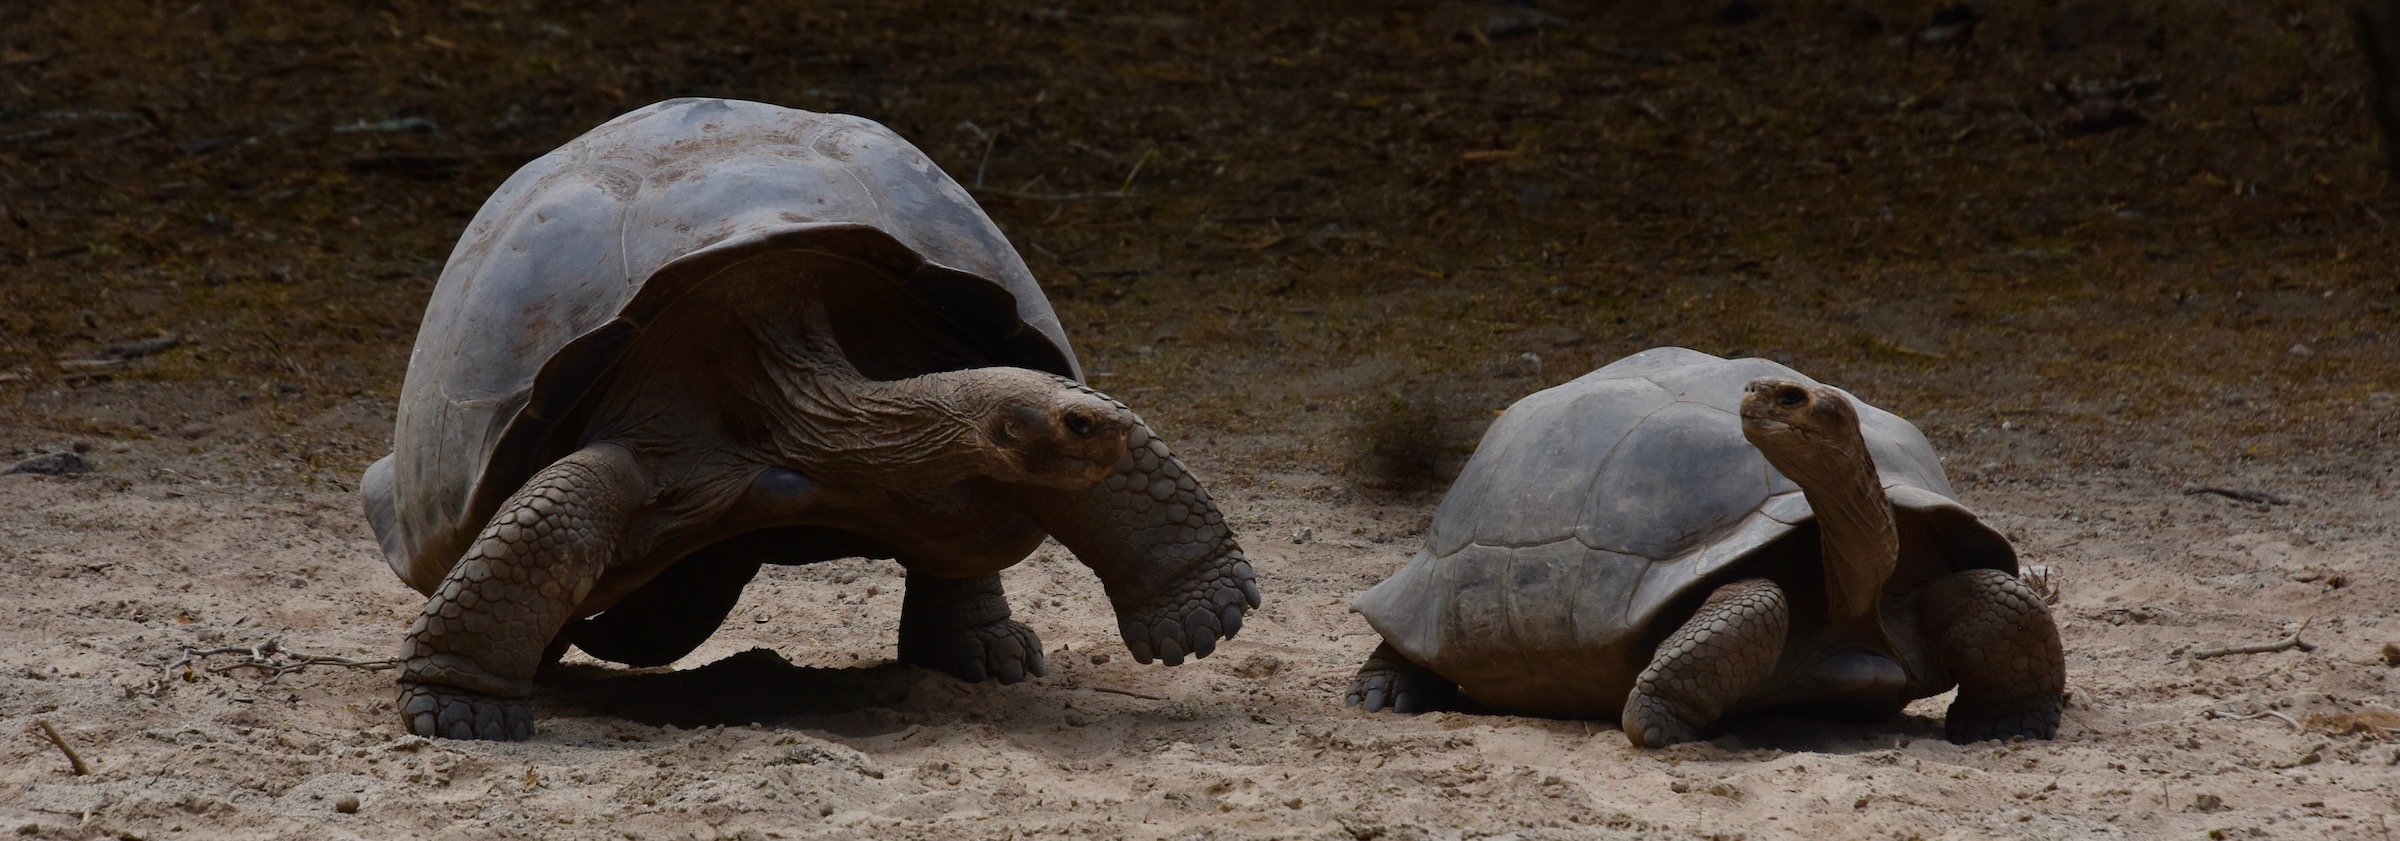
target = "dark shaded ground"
x: 2090, y: 244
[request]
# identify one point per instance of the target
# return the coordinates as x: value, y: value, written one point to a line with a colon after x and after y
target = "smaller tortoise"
x: 710, y: 335
x: 1675, y: 537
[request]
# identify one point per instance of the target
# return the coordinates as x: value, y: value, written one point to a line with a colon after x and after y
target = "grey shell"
x: 1594, y: 508
x: 582, y: 247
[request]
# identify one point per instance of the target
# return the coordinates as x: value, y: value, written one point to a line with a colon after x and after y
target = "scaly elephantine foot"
x: 439, y: 711
x: 1191, y: 613
x: 1650, y: 722
x: 1006, y: 650
x: 1389, y: 681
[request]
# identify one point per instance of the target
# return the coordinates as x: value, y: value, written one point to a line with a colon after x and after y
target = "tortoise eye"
x: 1791, y: 396
x: 1080, y: 425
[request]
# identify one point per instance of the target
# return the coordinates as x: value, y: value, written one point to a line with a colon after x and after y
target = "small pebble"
x: 2391, y: 654
x: 1098, y: 659
x: 348, y: 804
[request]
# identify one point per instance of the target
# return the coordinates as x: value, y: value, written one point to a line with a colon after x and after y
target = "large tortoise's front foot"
x: 1173, y: 571
x: 1191, y: 612
x: 961, y: 627
x: 1996, y: 636
x: 439, y: 711
x: 1391, y: 681
x: 467, y: 665
x: 1714, y: 660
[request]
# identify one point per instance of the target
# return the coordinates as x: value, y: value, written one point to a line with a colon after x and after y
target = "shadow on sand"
x: 754, y: 686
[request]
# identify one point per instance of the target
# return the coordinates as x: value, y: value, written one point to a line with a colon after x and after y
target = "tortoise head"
x: 1048, y: 430
x: 1801, y: 425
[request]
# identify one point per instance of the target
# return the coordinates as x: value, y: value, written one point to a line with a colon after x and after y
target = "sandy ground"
x: 793, y: 723
x: 2105, y: 252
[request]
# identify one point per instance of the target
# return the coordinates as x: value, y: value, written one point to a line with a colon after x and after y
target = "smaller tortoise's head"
x: 1797, y: 424
x: 1056, y: 433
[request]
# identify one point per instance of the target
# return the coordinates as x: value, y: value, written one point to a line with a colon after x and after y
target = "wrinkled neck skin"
x: 1860, y: 541
x: 840, y: 428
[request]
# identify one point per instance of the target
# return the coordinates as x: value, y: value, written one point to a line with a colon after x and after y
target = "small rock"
x: 347, y: 804
x: 195, y: 429
x: 54, y: 464
x: 2302, y: 351
x: 2206, y: 802
x: 1099, y: 659
x: 1531, y: 362
x: 2391, y: 654
x: 1303, y: 535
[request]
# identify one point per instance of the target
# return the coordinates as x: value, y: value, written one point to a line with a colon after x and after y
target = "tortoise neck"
x: 1860, y: 542
x: 840, y: 427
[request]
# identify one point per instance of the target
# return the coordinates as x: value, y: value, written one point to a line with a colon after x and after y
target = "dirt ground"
x: 2108, y: 254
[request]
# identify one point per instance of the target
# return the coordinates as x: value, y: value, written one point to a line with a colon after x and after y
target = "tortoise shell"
x: 1595, y: 515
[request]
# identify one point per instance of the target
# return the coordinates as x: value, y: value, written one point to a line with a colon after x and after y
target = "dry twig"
x: 1126, y: 692
x: 73, y: 760
x: 2230, y: 715
x: 2253, y: 497
x: 2292, y: 641
x: 271, y: 657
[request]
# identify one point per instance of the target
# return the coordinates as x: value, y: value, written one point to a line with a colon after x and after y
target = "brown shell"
x: 581, y: 248
x: 1592, y: 509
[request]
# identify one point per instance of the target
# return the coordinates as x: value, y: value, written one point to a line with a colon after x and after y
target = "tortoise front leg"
x: 1389, y: 679
x: 1995, y: 636
x: 960, y: 627
x: 467, y: 665
x: 1719, y: 656
x: 1168, y: 561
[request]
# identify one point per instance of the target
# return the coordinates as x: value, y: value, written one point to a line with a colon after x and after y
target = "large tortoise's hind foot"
x: 1998, y: 640
x: 439, y: 711
x: 1391, y: 681
x: 961, y: 627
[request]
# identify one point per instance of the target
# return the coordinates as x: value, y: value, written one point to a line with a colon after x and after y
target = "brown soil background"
x: 2103, y: 251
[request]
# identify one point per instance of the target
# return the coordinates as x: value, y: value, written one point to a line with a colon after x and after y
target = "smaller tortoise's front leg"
x: 960, y: 626
x: 1391, y: 680
x: 466, y: 667
x: 1995, y: 636
x: 1178, y: 580
x: 1718, y: 657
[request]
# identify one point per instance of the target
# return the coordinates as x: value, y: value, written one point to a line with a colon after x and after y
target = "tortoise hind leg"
x: 1390, y: 680
x: 961, y: 627
x: 1718, y: 657
x: 670, y: 616
x: 1997, y: 639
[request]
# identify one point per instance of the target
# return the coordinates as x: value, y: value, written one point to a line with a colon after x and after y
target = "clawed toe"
x: 1389, y: 681
x: 446, y: 712
x: 1191, y: 616
x: 1006, y: 651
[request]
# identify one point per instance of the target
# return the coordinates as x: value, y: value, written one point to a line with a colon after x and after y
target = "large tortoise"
x: 710, y: 335
x: 1675, y: 536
